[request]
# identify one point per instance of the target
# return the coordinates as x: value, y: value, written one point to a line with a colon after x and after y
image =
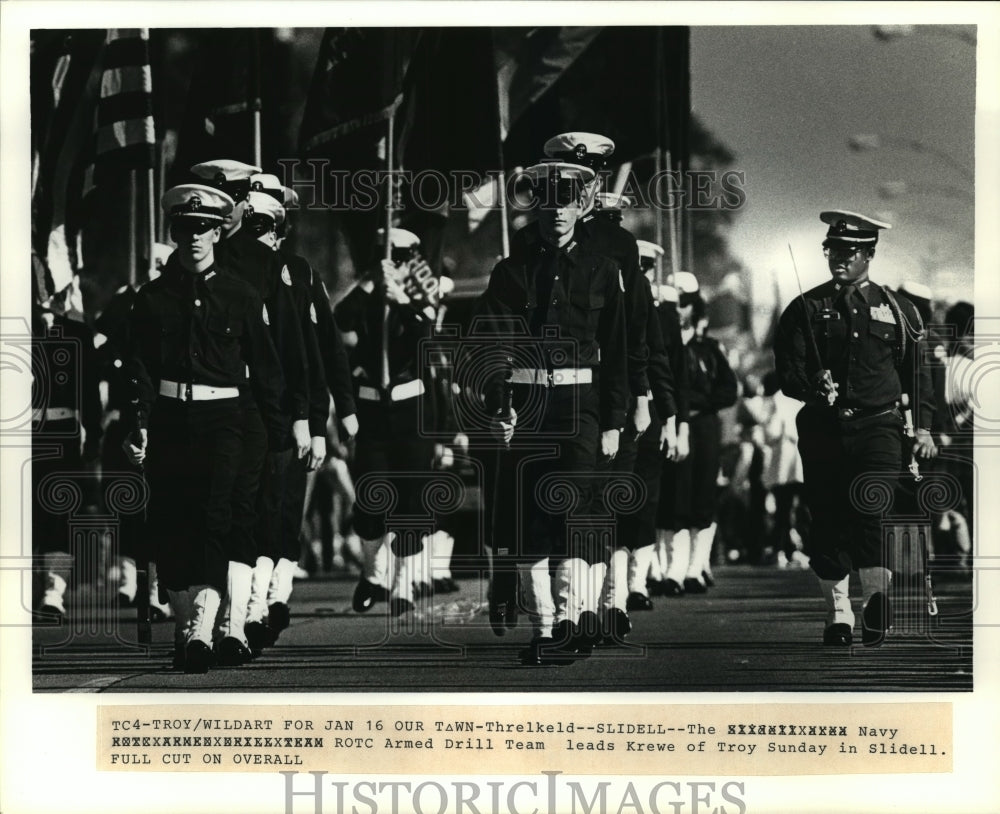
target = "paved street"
x: 758, y: 629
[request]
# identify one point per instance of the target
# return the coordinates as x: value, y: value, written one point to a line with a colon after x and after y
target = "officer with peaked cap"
x: 850, y: 349
x: 195, y: 331
x: 569, y: 381
x: 391, y: 397
x: 247, y: 250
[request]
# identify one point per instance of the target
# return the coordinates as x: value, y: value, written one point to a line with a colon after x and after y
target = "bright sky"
x: 787, y: 99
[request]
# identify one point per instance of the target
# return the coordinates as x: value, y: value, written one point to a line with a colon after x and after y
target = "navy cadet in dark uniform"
x: 850, y: 350
x: 195, y: 332
x: 569, y: 385
x: 329, y: 373
x: 392, y: 395
x: 269, y: 449
x: 711, y: 387
x: 65, y: 433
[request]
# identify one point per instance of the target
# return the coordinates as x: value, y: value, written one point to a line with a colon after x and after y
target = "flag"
x: 356, y: 88
x: 124, y: 135
x: 65, y: 86
x: 601, y: 80
x: 218, y: 116
x: 449, y: 119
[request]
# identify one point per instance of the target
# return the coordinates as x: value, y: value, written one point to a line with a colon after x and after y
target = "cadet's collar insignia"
x: 210, y: 275
x: 286, y: 278
x: 882, y: 313
x: 267, y: 319
x: 312, y: 313
x: 621, y: 281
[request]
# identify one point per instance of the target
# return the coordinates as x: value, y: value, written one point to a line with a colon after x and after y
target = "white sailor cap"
x: 197, y: 201
x: 558, y: 172
x: 401, y: 238
x: 268, y: 184
x: 161, y: 253
x: 590, y: 149
x: 851, y: 228
x: 291, y: 198
x: 668, y: 293
x: 685, y: 282
x: 612, y: 201
x: 232, y: 177
x: 649, y: 251
x: 262, y: 204
x: 915, y: 289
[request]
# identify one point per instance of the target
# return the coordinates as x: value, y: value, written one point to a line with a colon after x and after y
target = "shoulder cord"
x: 913, y: 333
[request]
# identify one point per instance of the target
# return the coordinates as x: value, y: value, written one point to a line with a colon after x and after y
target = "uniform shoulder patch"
x: 264, y: 315
x: 286, y: 276
x: 312, y: 313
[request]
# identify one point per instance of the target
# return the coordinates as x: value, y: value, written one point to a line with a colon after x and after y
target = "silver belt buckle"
x: 550, y: 378
x: 187, y: 392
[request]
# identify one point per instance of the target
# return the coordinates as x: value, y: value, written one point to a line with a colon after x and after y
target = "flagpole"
x: 389, y: 207
x: 256, y: 101
x: 502, y: 178
x: 658, y: 160
x: 672, y: 216
x: 687, y: 219
x: 151, y: 221
x: 133, y: 270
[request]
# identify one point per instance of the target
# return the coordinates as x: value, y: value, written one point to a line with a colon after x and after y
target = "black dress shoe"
x: 422, y: 590
x: 876, y: 620
x: 178, y: 662
x: 838, y: 635
x: 49, y: 614
x: 231, y: 652
x: 531, y: 656
x: 399, y: 607
x: 258, y: 637
x: 617, y: 625
x: 708, y: 578
x: 503, y: 601
x: 562, y: 648
x: 278, y: 618
x: 125, y: 601
x: 638, y: 602
x: 198, y: 657
x: 156, y: 615
x: 694, y: 586
x: 367, y: 594
x: 587, y: 633
x: 445, y: 585
x: 672, y: 588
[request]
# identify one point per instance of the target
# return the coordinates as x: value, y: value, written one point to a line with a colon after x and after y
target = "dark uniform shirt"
x: 872, y: 357
x: 670, y: 330
x: 586, y: 306
x: 319, y: 394
x: 712, y: 383
x: 363, y: 312
x: 610, y: 239
x: 661, y: 375
x: 259, y: 265
x: 333, y: 354
x: 202, y: 329
x: 65, y: 372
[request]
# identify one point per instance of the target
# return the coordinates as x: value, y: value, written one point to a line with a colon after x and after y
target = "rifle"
x: 831, y: 395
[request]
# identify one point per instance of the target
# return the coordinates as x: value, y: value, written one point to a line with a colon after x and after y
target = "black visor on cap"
x: 259, y: 224
x: 403, y: 255
x: 237, y: 190
x: 686, y: 298
x: 647, y: 263
x: 562, y: 192
x: 194, y: 225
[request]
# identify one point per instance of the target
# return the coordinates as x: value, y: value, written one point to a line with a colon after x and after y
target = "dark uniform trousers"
x: 638, y: 529
x: 557, y: 432
x: 195, y: 450
x: 849, y: 466
x: 391, y: 447
x: 244, y: 540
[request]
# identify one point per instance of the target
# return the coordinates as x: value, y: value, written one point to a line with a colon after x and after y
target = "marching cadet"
x: 850, y: 349
x: 269, y: 450
x: 391, y: 397
x: 195, y: 332
x: 638, y: 530
x: 65, y: 433
x: 712, y: 386
x: 569, y: 388
x: 324, y: 344
x: 606, y: 236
